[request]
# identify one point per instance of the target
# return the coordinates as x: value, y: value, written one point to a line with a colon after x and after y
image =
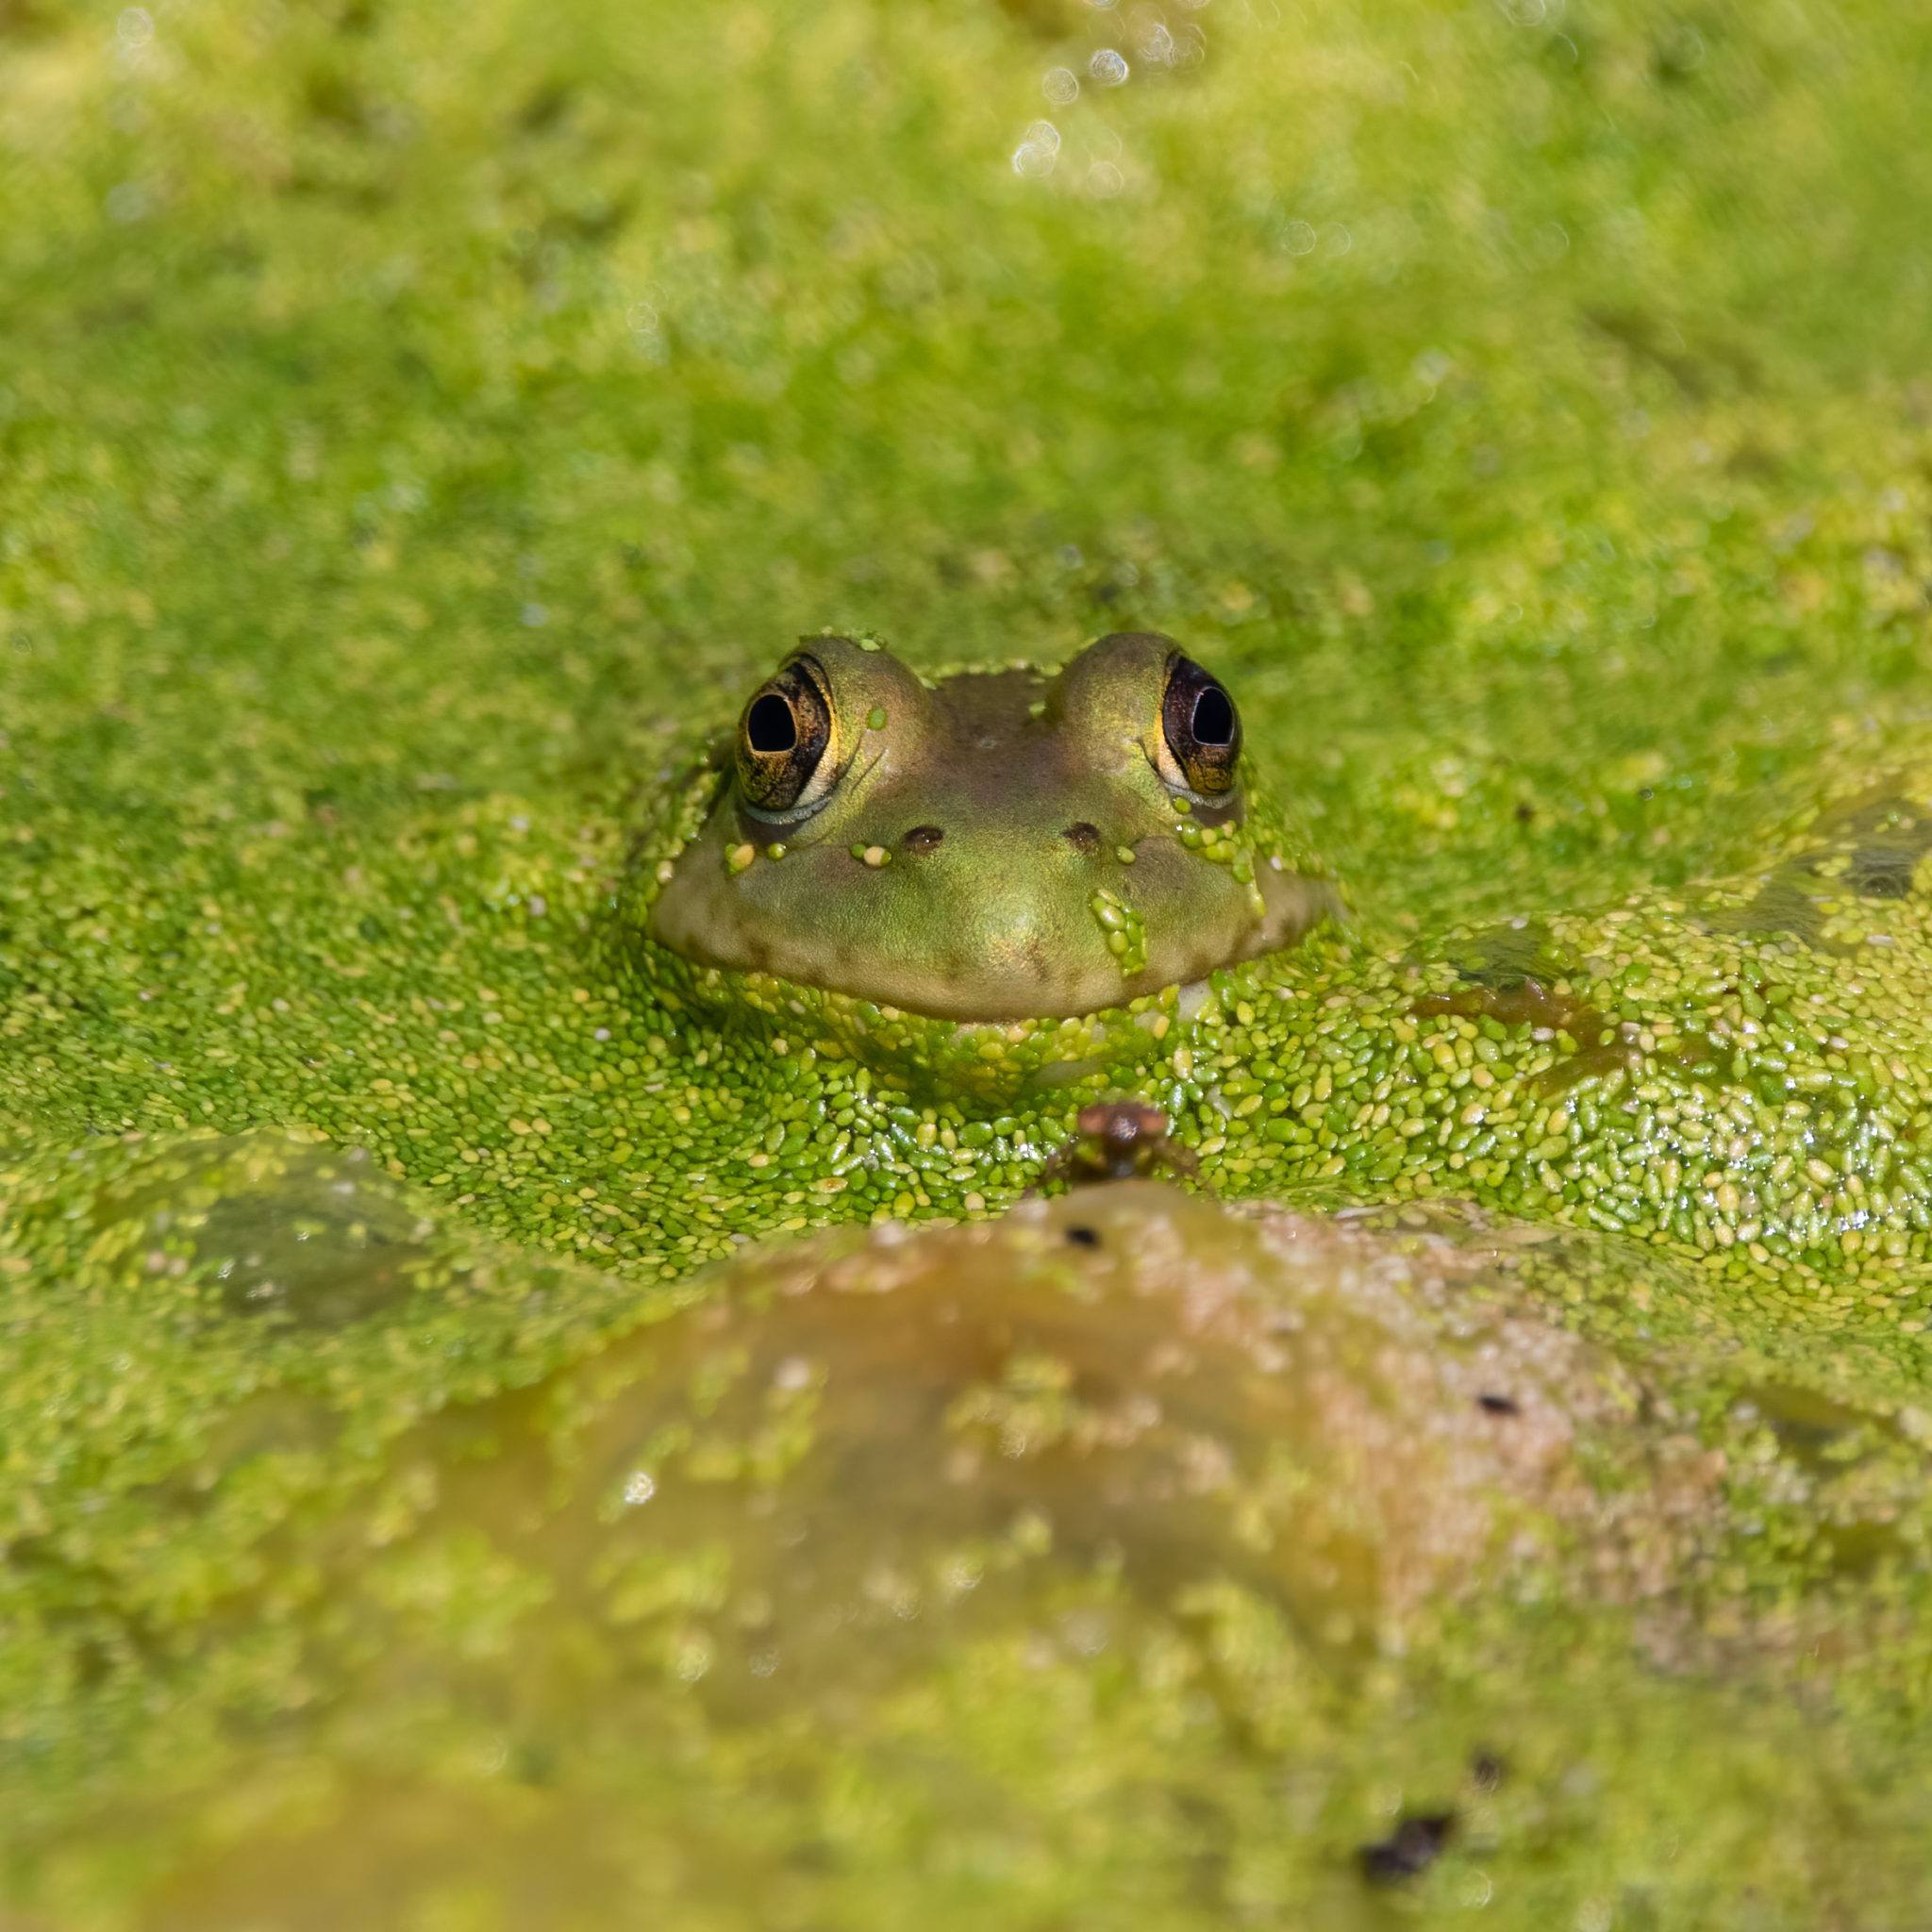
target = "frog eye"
x: 1200, y: 728
x: 784, y: 740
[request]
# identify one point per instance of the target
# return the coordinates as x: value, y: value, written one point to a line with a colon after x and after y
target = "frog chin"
x: 1004, y: 960
x: 987, y: 1066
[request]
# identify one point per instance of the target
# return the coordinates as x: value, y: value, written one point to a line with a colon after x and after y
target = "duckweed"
x: 418, y: 432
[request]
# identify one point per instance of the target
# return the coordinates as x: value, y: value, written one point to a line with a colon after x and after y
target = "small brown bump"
x: 922, y: 837
x: 1083, y: 836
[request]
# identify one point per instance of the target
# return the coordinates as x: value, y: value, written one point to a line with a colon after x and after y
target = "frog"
x: 988, y: 882
x: 992, y: 845
x: 946, y: 911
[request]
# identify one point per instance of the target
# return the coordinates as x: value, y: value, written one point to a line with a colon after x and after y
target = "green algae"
x: 405, y: 417
x: 1127, y: 936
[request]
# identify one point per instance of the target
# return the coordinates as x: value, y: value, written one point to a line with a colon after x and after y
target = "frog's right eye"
x: 1201, y: 731
x: 785, y: 762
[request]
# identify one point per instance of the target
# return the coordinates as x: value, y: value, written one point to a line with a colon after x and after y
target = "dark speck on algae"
x: 414, y: 428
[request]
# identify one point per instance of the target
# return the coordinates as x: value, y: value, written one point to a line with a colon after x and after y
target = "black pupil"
x: 1213, y: 716
x: 770, y: 726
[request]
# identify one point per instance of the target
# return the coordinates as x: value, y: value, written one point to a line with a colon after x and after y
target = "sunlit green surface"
x: 403, y: 416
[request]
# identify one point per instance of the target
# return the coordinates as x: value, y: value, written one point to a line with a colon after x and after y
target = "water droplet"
x: 135, y: 27
x: 1060, y: 85
x: 1298, y: 238
x: 1031, y: 159
x: 643, y: 317
x: 1108, y: 67
x: 641, y: 1488
x: 1526, y: 12
x: 1045, y: 134
x: 1104, y: 180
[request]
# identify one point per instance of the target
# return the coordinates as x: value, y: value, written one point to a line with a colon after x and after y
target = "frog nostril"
x: 1083, y: 836
x: 922, y: 837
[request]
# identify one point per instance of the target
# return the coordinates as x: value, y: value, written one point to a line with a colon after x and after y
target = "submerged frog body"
x: 997, y: 845
x: 1741, y: 1068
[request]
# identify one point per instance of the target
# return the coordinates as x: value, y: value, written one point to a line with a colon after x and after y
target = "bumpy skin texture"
x: 995, y: 845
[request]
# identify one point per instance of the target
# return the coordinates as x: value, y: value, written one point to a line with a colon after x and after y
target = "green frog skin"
x: 1739, y: 1069
x: 999, y: 845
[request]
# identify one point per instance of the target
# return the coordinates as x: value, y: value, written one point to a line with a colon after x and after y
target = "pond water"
x: 501, y: 1428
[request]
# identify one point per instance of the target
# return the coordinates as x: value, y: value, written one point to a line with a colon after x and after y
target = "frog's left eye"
x: 785, y: 742
x: 1200, y: 728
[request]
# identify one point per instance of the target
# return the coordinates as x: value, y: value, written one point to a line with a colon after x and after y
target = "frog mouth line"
x: 856, y: 970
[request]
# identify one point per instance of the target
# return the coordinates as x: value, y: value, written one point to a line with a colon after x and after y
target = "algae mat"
x: 407, y: 415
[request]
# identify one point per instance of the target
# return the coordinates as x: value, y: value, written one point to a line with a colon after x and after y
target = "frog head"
x: 997, y: 845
